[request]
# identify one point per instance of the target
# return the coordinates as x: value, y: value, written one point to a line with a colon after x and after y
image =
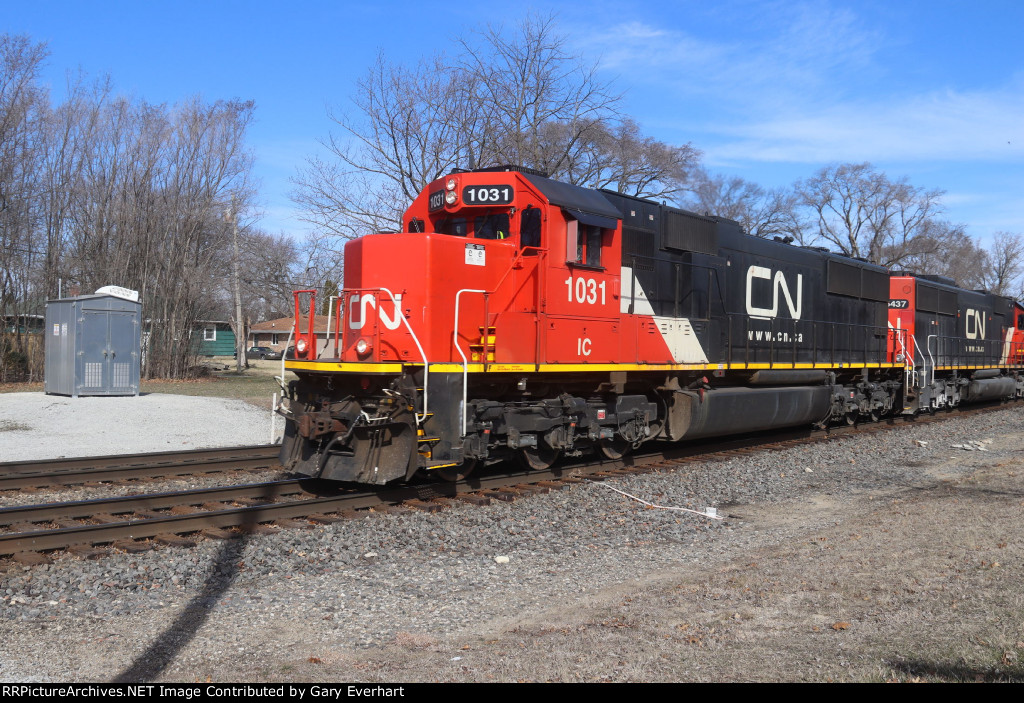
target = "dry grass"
x: 254, y: 385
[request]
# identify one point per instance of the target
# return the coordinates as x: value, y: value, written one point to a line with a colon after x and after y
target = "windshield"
x: 494, y: 225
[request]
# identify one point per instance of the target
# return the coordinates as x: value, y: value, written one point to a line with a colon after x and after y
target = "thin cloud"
x: 938, y: 126
x: 782, y: 56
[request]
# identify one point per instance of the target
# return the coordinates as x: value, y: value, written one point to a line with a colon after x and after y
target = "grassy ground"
x: 254, y: 385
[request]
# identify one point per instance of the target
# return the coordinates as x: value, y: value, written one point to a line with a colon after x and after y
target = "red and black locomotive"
x: 516, y: 316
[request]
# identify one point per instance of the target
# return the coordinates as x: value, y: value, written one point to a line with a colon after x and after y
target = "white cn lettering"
x: 779, y: 284
x: 370, y: 300
x: 975, y: 324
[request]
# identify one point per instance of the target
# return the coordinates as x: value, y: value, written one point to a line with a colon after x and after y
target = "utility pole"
x: 239, y: 322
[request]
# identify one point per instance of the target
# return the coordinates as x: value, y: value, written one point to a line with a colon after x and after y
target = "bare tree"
x: 148, y: 213
x: 945, y: 249
x: 407, y: 132
x: 617, y: 156
x: 103, y: 189
x: 269, y: 264
x: 1006, y: 263
x: 517, y: 87
x: 865, y: 214
x: 763, y: 213
x: 516, y: 96
x: 22, y: 121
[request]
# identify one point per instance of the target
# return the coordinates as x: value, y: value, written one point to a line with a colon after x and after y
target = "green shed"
x: 214, y: 338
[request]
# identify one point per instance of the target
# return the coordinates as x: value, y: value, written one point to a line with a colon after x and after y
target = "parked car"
x: 262, y: 353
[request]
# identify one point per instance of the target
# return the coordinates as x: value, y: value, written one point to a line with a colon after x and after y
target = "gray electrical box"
x: 93, y: 344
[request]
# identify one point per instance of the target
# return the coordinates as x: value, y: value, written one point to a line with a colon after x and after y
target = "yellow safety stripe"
x: 344, y: 367
x: 357, y: 367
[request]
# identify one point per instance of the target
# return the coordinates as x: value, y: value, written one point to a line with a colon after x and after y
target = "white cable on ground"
x: 712, y: 515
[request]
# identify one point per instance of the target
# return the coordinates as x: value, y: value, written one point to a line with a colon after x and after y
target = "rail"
x: 777, y: 341
x: 972, y: 353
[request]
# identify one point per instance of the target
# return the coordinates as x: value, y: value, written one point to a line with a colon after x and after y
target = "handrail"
x: 918, y: 347
x: 515, y: 260
x: 781, y: 337
x: 465, y: 361
x: 423, y: 354
x: 463, y: 420
x: 928, y: 347
x: 398, y: 313
x: 901, y: 340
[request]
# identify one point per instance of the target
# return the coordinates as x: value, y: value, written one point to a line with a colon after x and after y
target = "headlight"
x: 450, y: 197
x: 450, y: 185
x: 300, y: 345
x: 363, y: 347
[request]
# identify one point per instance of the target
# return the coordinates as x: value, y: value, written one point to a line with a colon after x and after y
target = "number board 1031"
x: 488, y: 195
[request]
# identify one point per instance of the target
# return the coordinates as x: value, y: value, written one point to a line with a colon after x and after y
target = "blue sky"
x: 770, y: 91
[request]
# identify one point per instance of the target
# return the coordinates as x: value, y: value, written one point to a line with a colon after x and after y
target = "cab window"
x: 456, y: 226
x: 494, y: 226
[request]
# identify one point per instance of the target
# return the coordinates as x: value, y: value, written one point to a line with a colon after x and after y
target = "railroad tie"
x: 31, y: 558
x: 174, y: 541
x: 322, y: 519
x: 132, y: 546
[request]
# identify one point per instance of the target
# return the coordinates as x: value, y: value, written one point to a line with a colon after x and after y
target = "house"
x: 274, y: 333
x: 23, y: 324
x: 213, y: 338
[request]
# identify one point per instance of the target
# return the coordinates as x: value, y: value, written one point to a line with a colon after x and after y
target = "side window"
x: 583, y: 244
x: 593, y: 235
x: 529, y: 227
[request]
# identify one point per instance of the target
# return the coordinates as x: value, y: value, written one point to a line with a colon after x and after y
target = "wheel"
x: 615, y: 448
x: 454, y: 473
x: 851, y: 418
x: 537, y: 458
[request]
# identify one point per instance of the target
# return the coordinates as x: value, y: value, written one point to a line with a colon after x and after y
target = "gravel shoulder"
x: 870, y: 558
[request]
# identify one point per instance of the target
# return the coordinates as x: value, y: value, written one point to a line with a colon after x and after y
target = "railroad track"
x: 141, y: 521
x: 125, y: 467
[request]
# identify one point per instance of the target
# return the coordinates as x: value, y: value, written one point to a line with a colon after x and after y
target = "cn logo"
x: 359, y: 303
x: 778, y: 283
x: 975, y: 324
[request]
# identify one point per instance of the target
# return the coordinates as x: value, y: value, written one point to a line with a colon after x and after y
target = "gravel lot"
x: 889, y: 556
x: 40, y: 426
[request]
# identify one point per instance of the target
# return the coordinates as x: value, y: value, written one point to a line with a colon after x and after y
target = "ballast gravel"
x: 274, y: 607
